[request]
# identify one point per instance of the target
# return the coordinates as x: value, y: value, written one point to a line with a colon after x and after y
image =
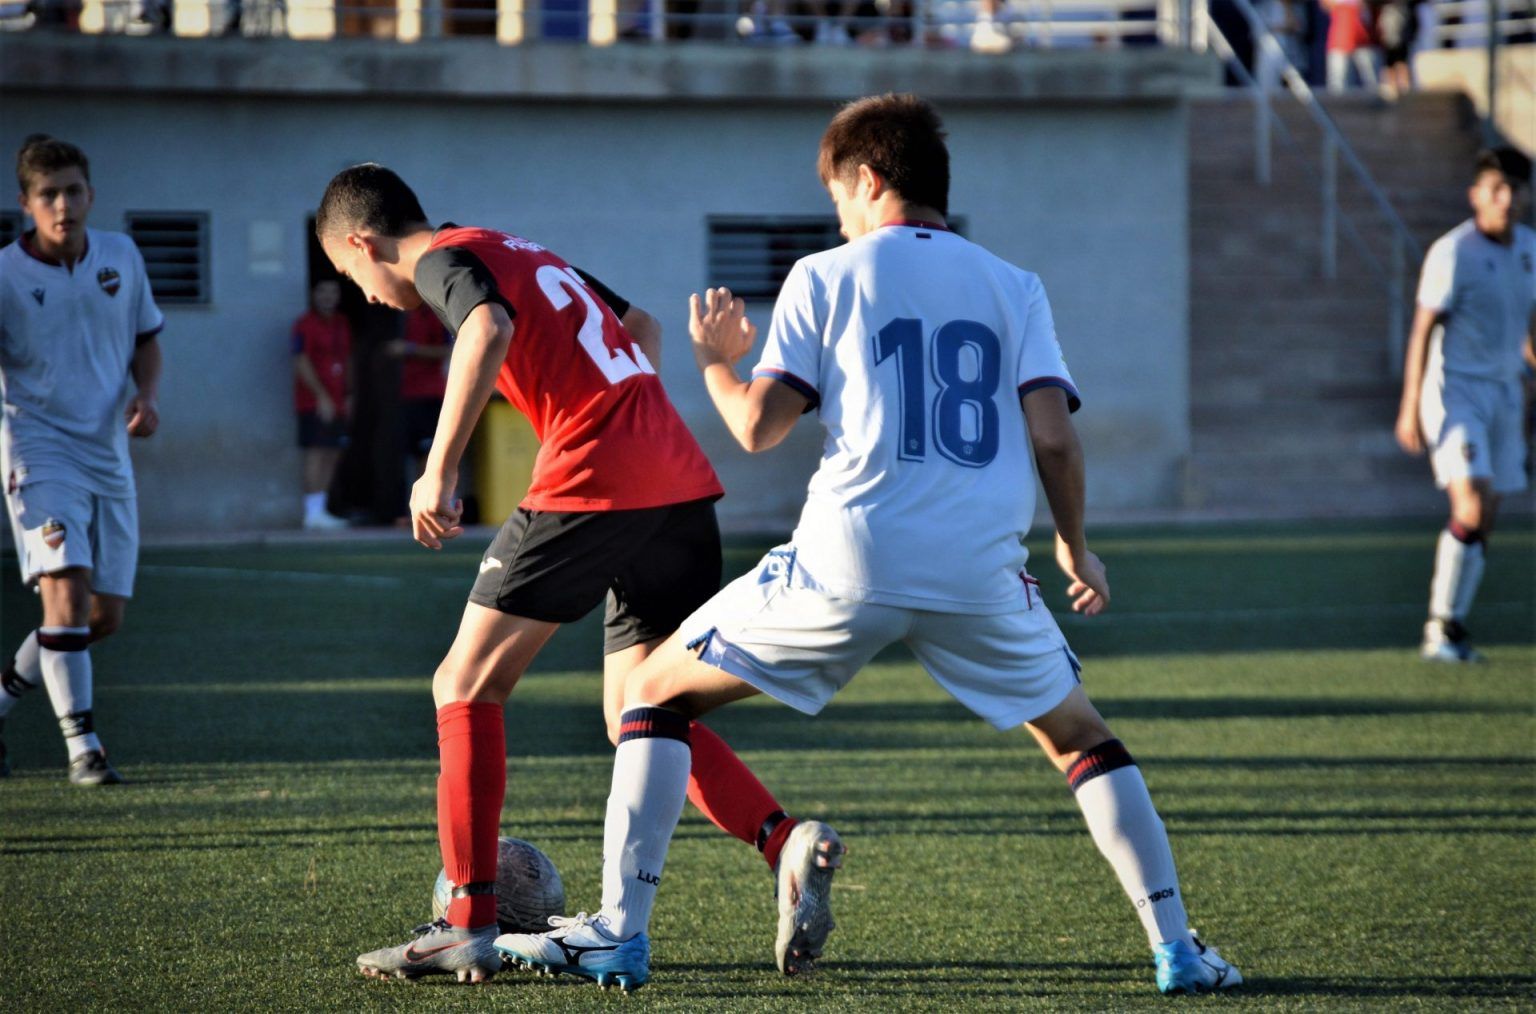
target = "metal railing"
x: 1403, y: 245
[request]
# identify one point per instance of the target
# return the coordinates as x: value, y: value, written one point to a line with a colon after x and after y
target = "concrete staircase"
x: 1293, y: 394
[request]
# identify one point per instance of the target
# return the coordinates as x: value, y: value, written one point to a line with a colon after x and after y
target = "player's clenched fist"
x: 1089, y: 590
x: 719, y: 327
x: 143, y: 416
x: 434, y: 512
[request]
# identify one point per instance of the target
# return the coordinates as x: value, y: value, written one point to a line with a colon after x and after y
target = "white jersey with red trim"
x: 916, y: 346
x: 67, y: 337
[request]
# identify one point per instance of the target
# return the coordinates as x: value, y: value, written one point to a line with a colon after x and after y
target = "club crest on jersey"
x: 1525, y: 262
x: 109, y: 280
x: 53, y: 533
x: 38, y: 295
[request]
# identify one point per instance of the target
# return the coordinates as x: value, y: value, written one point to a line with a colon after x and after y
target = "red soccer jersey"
x: 327, y: 342
x: 422, y: 378
x: 609, y: 438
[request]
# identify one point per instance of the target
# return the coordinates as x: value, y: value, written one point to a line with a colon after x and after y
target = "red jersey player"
x: 621, y: 506
x: 322, y: 351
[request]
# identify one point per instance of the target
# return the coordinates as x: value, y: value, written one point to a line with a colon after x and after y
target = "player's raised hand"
x: 1410, y: 435
x: 1089, y: 590
x: 142, y: 415
x: 718, y: 325
x: 435, y: 513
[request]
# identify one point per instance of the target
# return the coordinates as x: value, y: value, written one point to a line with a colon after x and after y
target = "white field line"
x: 1364, y: 610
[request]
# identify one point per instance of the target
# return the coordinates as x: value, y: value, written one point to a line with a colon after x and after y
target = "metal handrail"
x: 1404, y: 244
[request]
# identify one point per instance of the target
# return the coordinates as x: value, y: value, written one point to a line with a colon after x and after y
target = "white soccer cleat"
x: 1447, y: 641
x: 579, y: 945
x: 1198, y: 969
x: 811, y: 855
x: 439, y: 949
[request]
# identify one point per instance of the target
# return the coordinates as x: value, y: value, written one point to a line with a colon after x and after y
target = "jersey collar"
x: 913, y: 223
x: 25, y: 242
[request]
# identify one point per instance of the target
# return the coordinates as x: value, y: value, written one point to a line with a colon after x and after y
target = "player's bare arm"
x: 759, y: 413
x: 304, y: 370
x: 478, y: 352
x: 1410, y: 430
x: 143, y: 412
x: 1059, y: 460
x: 646, y: 331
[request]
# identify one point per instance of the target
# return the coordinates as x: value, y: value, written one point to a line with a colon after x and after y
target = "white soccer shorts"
x: 1474, y: 430
x: 775, y: 629
x: 57, y: 525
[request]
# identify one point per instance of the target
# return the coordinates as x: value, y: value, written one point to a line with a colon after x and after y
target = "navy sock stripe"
x: 63, y: 642
x: 77, y: 723
x: 1461, y: 533
x: 1108, y: 756
x: 652, y: 723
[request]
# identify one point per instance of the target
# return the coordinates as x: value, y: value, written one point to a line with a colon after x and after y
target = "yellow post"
x: 504, y: 451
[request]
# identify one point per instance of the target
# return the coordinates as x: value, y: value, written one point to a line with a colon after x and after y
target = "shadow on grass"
x: 1415, y: 987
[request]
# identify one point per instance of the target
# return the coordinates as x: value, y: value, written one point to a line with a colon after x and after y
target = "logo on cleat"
x: 573, y: 952
x: 412, y: 954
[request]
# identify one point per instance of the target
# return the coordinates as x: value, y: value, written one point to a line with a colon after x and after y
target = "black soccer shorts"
x: 655, y: 566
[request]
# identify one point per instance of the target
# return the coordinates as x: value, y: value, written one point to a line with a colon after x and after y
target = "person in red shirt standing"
x: 322, y: 352
x: 620, y: 507
x: 423, y: 349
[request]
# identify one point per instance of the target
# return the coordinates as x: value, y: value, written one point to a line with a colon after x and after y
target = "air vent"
x: 175, y: 249
x: 752, y: 256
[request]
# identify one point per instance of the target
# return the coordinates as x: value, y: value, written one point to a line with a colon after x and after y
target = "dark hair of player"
x: 898, y: 136
x: 41, y: 154
x: 1510, y: 161
x: 370, y: 197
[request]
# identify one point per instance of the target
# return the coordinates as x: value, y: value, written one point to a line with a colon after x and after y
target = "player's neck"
x: 410, y: 248
x: 1502, y: 236
x: 64, y: 254
x: 902, y: 213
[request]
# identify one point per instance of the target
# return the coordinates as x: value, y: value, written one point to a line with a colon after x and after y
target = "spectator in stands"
x: 989, y: 36
x: 1286, y: 21
x: 322, y: 351
x: 765, y: 23
x: 1349, y: 43
x: 1397, y: 26
x: 423, y: 350
x: 832, y: 21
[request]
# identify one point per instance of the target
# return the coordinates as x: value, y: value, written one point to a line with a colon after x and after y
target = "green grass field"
x: 1353, y: 826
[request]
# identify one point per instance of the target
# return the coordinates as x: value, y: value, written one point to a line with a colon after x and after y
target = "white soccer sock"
x: 25, y: 673
x: 650, y: 785
x: 1450, y: 560
x: 67, y: 674
x: 1473, y: 558
x: 314, y: 504
x: 1126, y: 828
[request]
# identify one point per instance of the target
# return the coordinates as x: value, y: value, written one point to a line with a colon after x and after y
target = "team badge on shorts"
x: 109, y: 280
x: 52, y: 533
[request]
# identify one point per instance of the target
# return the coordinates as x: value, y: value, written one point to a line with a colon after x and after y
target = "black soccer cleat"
x: 91, y: 768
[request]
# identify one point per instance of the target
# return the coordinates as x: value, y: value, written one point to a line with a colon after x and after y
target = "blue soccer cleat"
x: 1198, y: 969
x: 579, y: 945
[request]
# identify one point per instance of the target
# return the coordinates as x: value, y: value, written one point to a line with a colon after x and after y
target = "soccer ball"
x: 528, y: 888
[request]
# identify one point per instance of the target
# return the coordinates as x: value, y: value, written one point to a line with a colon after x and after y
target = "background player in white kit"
x: 936, y: 371
x: 79, y: 371
x: 1462, y: 397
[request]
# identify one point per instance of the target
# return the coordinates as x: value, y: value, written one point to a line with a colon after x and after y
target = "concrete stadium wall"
x: 1092, y: 195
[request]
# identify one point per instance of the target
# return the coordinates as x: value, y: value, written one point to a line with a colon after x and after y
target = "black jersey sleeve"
x: 617, y: 303
x: 453, y: 281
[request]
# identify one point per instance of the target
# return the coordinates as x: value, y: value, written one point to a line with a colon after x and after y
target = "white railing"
x: 1403, y: 246
x: 1465, y: 22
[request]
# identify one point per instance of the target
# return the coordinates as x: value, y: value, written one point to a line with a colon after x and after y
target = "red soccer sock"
x: 471, y: 786
x: 727, y: 792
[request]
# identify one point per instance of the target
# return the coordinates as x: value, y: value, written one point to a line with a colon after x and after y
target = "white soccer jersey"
x: 67, y: 336
x: 917, y: 346
x: 1487, y: 292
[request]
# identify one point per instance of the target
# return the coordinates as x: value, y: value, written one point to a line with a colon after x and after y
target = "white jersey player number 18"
x: 967, y: 366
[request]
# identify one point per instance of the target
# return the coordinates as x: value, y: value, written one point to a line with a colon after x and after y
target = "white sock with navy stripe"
x: 1125, y: 826
x: 66, y: 663
x: 650, y: 785
x: 24, y: 673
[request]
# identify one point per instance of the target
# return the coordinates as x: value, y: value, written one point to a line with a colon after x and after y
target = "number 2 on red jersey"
x: 560, y: 286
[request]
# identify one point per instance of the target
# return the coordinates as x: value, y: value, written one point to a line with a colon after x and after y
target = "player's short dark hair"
x: 1510, y: 161
x: 371, y: 197
x: 42, y: 154
x: 898, y: 136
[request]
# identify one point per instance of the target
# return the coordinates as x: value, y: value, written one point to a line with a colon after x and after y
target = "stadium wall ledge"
x: 695, y: 73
